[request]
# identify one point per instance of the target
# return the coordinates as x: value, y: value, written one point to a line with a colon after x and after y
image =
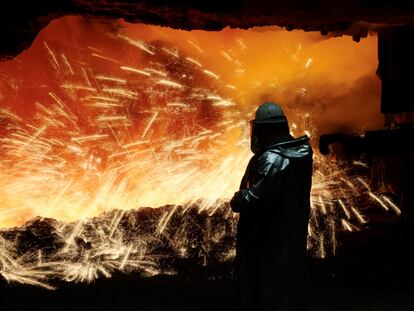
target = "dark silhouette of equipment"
x: 393, y: 146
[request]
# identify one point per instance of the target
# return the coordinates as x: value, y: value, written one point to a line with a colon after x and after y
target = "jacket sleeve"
x: 261, y: 175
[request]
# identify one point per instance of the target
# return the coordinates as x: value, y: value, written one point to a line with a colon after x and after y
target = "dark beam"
x: 21, y: 20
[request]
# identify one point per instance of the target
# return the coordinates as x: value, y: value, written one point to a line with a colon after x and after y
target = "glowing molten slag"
x: 134, y: 116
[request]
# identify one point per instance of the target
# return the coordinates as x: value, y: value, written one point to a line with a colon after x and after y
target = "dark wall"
x: 396, y: 69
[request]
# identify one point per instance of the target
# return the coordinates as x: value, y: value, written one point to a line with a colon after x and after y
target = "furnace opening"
x: 104, y: 118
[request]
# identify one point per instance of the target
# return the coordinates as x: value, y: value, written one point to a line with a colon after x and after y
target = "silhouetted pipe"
x: 375, y: 143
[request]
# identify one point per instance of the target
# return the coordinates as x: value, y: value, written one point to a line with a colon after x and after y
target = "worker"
x: 274, y: 204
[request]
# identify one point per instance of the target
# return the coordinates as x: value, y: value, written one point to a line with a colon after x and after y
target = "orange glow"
x: 98, y: 115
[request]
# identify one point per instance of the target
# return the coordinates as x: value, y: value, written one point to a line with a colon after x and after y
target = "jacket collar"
x: 289, y: 143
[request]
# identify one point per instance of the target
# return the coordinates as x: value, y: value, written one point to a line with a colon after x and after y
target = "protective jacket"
x: 274, y: 204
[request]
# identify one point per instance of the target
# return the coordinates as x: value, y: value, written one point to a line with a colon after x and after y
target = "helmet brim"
x: 269, y: 121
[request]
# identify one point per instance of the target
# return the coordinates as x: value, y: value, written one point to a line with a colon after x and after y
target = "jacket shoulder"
x: 272, y: 160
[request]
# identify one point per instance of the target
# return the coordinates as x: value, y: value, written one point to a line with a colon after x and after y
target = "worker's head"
x: 269, y: 127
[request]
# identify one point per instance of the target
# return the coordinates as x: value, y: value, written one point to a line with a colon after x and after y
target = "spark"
x: 230, y: 86
x: 44, y: 109
x: 226, y: 55
x: 193, y: 44
x: 105, y: 58
x: 211, y: 74
x: 173, y: 52
x: 136, y: 143
x: 139, y: 44
x: 322, y: 247
x: 77, y: 87
x: 308, y: 63
x: 85, y: 76
x: 67, y: 63
x: 241, y: 43
x: 192, y: 60
x: 393, y: 206
x: 52, y: 55
x: 178, y: 105
x: 124, y: 260
x: 57, y: 99
x: 359, y: 163
x: 333, y: 237
x: 346, y: 225
x: 104, y: 105
x: 9, y: 114
x: 322, y: 205
x: 364, y: 183
x: 101, y: 98
x: 75, y: 149
x: 164, y: 220
x: 142, y: 72
x: 112, y: 79
x: 158, y: 72
x: 170, y: 83
x: 347, y: 213
x: 89, y: 138
x: 112, y: 118
x: 348, y: 183
x: 376, y: 198
x: 224, y: 103
x: 151, y: 121
x: 94, y: 49
x: 358, y: 215
x: 121, y: 92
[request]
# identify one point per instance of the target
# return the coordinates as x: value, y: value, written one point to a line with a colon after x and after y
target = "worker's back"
x: 272, y: 234
x: 274, y: 204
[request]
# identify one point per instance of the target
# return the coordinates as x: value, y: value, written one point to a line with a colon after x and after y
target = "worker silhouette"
x: 274, y: 204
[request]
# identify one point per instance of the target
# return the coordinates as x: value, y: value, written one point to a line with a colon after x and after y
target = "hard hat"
x: 269, y: 113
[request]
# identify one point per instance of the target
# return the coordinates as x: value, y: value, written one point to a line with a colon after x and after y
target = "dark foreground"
x: 158, y: 294
x: 380, y: 276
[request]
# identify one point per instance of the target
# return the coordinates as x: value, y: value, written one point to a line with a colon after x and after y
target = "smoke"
x: 333, y: 107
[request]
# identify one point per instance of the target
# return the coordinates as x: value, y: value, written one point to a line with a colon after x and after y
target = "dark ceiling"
x: 22, y: 20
